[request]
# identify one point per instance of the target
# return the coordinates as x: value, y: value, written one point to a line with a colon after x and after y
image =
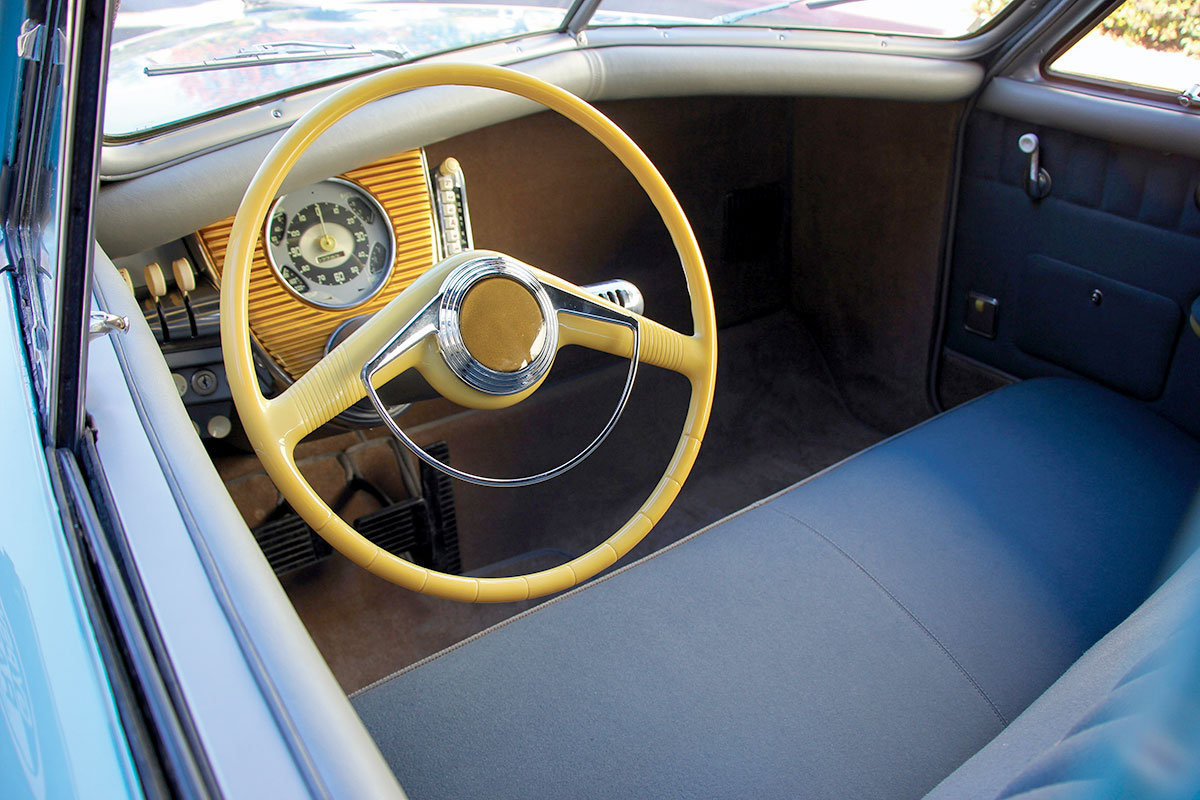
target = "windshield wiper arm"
x: 277, y: 53
x: 738, y: 16
x: 828, y: 3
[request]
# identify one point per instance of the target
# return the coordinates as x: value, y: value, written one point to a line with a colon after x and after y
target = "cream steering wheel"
x: 480, y: 327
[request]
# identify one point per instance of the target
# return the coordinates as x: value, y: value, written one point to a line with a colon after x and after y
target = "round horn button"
x: 501, y: 324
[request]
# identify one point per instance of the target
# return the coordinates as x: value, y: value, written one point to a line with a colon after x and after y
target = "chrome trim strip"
x: 422, y: 325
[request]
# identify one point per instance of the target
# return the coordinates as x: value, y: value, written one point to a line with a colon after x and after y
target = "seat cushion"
x: 860, y: 634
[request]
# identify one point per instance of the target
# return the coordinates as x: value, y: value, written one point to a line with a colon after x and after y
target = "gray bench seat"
x: 861, y: 634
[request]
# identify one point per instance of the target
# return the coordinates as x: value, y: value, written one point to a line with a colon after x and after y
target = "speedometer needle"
x: 326, y: 241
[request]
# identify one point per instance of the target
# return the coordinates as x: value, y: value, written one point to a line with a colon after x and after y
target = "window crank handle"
x: 1037, y: 182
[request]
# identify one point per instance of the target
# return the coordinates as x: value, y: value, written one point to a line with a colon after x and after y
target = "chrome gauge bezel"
x: 390, y: 243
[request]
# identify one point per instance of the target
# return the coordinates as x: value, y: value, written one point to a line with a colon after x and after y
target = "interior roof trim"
x: 1123, y: 120
x: 425, y: 116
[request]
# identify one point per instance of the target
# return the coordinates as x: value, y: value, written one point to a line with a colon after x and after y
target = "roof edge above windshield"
x: 128, y: 157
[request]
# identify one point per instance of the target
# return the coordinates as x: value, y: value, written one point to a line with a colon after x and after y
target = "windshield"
x: 176, y: 60
x: 937, y: 18
x: 150, y: 33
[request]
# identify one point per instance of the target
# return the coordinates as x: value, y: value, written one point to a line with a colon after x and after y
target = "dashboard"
x: 330, y: 254
x: 341, y: 248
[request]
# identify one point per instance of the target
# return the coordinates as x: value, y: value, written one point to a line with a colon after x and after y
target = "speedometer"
x: 331, y: 244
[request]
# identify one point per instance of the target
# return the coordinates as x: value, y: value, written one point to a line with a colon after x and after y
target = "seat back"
x: 1124, y: 721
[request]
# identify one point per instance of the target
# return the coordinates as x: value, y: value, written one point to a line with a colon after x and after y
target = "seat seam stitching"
x: 907, y: 611
x: 711, y: 526
x: 574, y: 590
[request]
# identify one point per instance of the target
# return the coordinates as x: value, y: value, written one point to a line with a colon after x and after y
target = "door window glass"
x: 31, y: 226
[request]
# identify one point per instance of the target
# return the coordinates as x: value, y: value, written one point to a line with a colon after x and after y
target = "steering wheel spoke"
x: 596, y: 323
x: 391, y: 341
x: 333, y: 385
x: 660, y: 346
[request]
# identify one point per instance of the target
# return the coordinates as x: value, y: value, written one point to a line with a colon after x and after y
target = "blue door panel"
x: 1110, y: 331
x: 1121, y: 227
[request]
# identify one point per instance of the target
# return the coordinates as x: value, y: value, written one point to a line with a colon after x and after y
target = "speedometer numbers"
x: 331, y: 243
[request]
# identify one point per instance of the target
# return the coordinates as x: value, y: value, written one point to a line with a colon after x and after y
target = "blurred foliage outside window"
x: 1152, y: 43
x: 1167, y: 25
x: 1170, y: 25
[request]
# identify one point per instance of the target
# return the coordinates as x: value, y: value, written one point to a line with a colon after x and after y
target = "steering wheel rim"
x: 275, y: 426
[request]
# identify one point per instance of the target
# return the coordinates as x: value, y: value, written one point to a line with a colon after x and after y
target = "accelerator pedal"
x: 423, y: 530
x: 438, y: 491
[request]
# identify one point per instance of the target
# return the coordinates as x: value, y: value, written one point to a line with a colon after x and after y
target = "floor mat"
x: 777, y: 418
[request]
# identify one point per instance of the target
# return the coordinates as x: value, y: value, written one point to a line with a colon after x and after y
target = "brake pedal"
x: 289, y: 543
x: 398, y: 528
x: 422, y: 529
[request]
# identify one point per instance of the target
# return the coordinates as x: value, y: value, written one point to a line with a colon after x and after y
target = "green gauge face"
x: 331, y: 243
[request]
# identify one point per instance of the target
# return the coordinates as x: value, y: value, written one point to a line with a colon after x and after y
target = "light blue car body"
x: 60, y: 735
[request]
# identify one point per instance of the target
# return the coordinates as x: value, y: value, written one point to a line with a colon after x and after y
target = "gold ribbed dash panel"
x: 293, y: 332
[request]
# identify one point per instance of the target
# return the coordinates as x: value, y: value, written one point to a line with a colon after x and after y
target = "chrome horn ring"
x: 454, y: 349
x: 441, y: 317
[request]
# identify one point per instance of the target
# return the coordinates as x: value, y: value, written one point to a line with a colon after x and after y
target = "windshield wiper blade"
x: 827, y: 3
x: 277, y: 53
x: 738, y: 16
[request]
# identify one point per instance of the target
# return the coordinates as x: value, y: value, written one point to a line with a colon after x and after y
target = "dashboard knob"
x: 185, y: 276
x: 156, y: 282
